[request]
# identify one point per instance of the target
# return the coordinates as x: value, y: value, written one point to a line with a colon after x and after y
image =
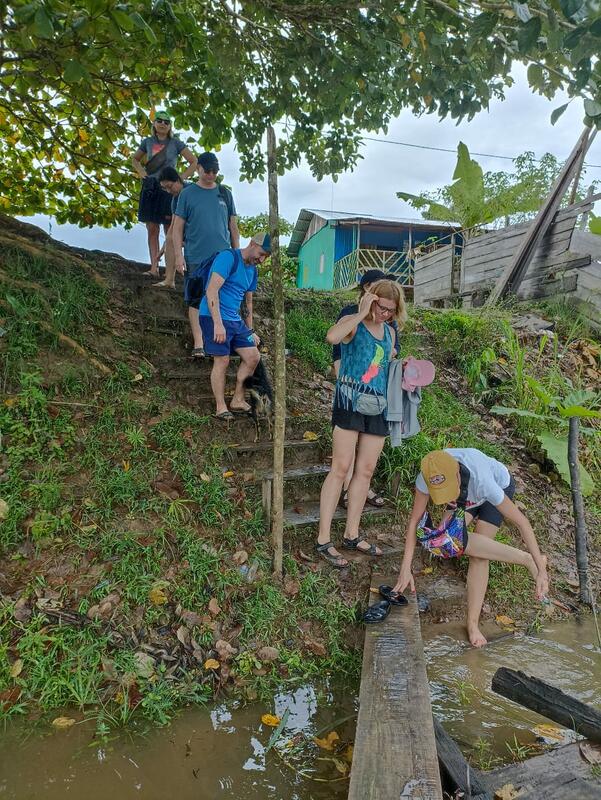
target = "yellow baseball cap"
x: 441, y: 473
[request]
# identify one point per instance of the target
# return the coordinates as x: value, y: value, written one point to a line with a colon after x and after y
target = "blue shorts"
x: 237, y: 336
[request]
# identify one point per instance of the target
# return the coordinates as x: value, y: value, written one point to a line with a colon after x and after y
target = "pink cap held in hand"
x: 417, y: 373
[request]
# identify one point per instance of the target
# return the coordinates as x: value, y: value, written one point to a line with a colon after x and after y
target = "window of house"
x: 321, y: 263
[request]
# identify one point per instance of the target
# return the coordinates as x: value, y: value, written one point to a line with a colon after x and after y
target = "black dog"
x: 260, y: 397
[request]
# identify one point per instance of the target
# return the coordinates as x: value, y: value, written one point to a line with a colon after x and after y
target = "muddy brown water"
x: 219, y: 752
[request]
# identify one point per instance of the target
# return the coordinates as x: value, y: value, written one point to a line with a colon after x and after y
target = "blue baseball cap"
x: 263, y: 240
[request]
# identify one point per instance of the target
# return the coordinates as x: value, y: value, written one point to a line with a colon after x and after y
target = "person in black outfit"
x: 367, y: 280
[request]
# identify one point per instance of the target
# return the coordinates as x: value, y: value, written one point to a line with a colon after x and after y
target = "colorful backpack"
x: 450, y: 538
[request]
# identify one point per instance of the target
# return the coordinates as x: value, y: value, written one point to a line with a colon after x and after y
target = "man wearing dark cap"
x: 204, y: 224
x: 367, y: 280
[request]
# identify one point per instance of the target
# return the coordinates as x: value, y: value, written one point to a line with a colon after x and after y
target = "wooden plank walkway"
x: 395, y: 748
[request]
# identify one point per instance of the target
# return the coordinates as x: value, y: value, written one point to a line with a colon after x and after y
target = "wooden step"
x: 259, y: 455
x: 315, y: 470
x: 308, y: 514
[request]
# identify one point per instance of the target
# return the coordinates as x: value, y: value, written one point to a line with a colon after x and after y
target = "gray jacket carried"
x: 402, y: 405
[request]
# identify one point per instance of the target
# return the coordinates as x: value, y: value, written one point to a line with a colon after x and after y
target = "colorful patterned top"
x: 363, y: 367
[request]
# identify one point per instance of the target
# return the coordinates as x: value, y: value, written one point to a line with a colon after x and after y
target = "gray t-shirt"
x: 151, y: 146
x: 488, y: 477
x: 206, y: 213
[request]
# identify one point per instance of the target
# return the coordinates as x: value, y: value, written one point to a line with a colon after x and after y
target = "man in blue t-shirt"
x: 232, y: 278
x: 204, y: 223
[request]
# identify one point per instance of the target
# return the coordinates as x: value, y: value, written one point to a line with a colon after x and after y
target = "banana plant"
x: 580, y: 404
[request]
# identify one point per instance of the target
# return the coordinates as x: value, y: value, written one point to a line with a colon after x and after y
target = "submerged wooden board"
x: 562, y: 774
x: 395, y: 748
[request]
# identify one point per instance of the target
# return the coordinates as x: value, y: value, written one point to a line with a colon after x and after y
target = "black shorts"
x: 375, y: 424
x: 489, y: 513
x: 155, y: 203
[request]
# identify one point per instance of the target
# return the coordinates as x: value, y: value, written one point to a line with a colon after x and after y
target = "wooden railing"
x: 348, y: 270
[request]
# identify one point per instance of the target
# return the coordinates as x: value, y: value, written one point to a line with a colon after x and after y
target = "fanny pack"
x: 370, y: 404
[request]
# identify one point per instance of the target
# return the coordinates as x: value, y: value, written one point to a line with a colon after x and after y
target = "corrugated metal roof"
x: 306, y: 215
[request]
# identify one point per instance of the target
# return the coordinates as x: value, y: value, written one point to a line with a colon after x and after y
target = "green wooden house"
x: 335, y: 247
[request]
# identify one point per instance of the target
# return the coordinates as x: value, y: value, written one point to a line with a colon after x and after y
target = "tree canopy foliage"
x: 79, y: 77
x: 476, y: 197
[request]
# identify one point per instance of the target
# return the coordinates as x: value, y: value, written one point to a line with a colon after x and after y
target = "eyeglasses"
x: 384, y: 309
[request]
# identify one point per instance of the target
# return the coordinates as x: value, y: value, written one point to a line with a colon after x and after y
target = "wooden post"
x: 550, y: 702
x: 279, y: 426
x: 581, y: 533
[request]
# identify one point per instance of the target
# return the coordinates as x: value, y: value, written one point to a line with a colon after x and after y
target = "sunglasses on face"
x: 383, y: 310
x: 164, y: 121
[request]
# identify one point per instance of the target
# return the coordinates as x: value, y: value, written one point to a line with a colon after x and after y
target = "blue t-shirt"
x: 239, y: 279
x: 206, y: 213
x: 151, y: 145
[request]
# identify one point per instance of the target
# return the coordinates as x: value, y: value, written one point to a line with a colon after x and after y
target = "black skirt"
x: 349, y: 420
x: 155, y: 203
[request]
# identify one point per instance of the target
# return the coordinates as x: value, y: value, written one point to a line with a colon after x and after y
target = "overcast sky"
x: 519, y: 123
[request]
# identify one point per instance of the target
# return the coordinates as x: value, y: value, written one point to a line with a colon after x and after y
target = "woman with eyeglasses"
x: 358, y: 416
x: 367, y: 278
x: 161, y: 150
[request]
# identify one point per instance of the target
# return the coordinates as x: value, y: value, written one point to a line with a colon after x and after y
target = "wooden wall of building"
x: 554, y: 270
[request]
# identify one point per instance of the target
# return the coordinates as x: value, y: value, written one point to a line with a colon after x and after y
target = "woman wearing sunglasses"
x: 358, y: 417
x: 154, y: 209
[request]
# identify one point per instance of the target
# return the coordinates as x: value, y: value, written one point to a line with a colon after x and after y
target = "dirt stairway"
x: 159, y: 315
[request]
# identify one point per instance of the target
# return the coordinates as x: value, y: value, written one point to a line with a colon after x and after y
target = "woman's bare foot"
x: 475, y: 635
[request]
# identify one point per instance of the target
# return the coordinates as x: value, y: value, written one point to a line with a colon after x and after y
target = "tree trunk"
x: 279, y: 427
x: 549, y: 701
x: 581, y: 533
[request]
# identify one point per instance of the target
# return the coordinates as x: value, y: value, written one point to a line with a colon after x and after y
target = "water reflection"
x: 204, y: 754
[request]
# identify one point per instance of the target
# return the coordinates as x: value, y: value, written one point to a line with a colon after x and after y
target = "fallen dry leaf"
x: 214, y: 607
x: 63, y: 722
x: 144, y: 664
x: 211, y: 663
x: 271, y: 720
x: 229, y: 473
x: 191, y: 619
x: 224, y: 650
x: 3, y: 509
x: 157, y: 596
x: 507, y: 792
x: 551, y: 732
x: 328, y: 742
x: 591, y: 752
x: 126, y: 466
x: 348, y: 753
x: 315, y: 647
x: 291, y: 587
x: 204, y: 477
x: 503, y: 620
x: 240, y: 557
x: 183, y: 635
x: 268, y: 654
x: 310, y: 436
x: 16, y: 668
x: 427, y: 570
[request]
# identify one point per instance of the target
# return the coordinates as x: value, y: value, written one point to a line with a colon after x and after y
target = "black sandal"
x: 322, y: 550
x: 353, y: 544
x: 394, y: 598
x: 376, y: 500
x: 377, y: 613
